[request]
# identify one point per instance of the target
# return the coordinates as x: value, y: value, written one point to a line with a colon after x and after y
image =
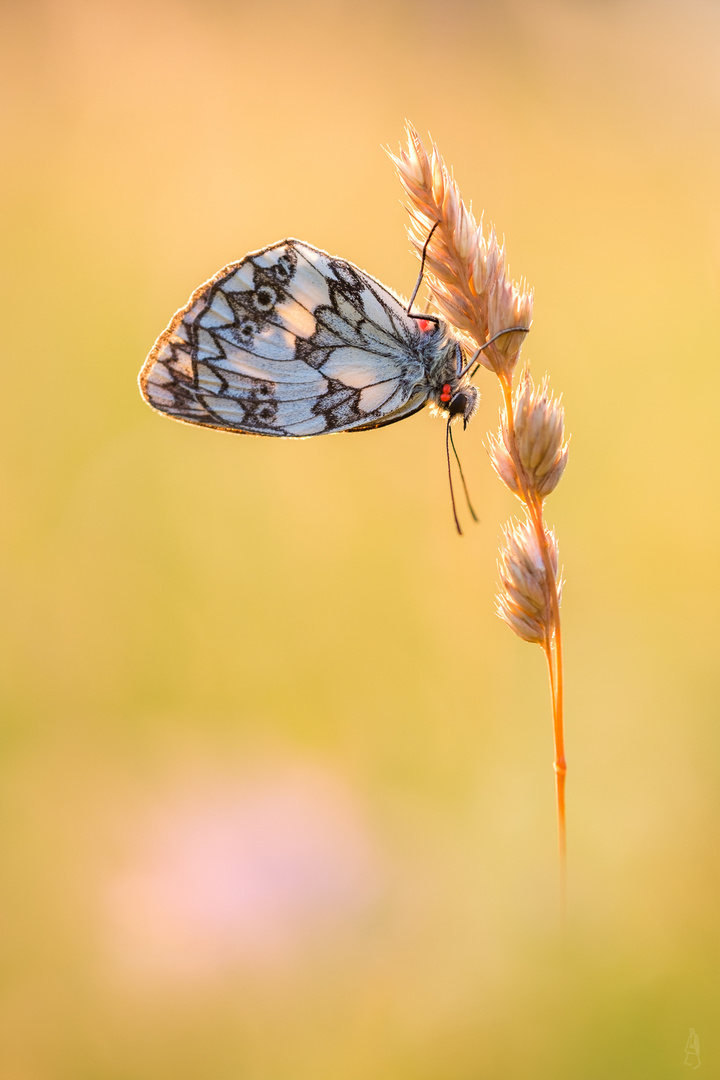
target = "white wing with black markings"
x: 293, y: 342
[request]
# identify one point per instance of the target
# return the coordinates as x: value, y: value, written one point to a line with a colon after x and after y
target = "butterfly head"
x: 457, y: 399
x: 464, y: 402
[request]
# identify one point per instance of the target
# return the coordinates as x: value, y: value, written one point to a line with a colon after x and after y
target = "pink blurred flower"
x: 236, y: 874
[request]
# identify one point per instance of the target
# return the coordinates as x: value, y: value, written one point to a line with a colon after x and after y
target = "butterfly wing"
x: 289, y: 341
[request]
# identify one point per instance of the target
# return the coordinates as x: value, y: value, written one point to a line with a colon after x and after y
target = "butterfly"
x: 292, y: 342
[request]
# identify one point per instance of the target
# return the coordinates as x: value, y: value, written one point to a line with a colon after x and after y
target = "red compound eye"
x: 425, y: 325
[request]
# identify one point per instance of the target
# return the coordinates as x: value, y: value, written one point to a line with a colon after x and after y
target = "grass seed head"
x: 540, y: 433
x: 465, y: 272
x: 524, y: 599
x: 539, y: 426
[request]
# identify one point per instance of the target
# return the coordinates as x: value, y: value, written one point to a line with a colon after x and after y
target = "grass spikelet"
x: 466, y: 273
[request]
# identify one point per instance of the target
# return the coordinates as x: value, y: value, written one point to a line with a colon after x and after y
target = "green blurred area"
x: 275, y: 781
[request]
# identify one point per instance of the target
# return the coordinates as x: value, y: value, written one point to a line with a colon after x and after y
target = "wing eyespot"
x: 265, y: 298
x: 247, y: 330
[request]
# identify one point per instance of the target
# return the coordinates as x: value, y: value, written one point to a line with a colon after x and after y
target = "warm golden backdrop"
x: 276, y: 782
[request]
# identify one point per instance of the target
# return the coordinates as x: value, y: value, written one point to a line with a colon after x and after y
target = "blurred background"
x: 275, y: 782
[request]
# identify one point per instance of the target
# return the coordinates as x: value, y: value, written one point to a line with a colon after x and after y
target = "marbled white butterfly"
x: 293, y: 342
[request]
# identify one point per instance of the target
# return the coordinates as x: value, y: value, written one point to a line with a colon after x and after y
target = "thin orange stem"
x: 560, y: 772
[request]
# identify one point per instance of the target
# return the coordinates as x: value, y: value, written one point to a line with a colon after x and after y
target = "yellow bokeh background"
x: 276, y: 783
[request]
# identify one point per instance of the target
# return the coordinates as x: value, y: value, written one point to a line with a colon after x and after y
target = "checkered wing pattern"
x: 291, y: 341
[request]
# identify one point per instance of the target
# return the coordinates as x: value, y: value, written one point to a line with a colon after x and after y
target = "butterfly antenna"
x: 462, y: 476
x: 448, y: 440
x: 418, y: 283
x: 510, y: 330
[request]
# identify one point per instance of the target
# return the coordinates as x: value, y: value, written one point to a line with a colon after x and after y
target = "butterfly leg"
x: 418, y: 283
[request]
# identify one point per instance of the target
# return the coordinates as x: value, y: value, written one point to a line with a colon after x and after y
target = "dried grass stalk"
x: 466, y: 273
